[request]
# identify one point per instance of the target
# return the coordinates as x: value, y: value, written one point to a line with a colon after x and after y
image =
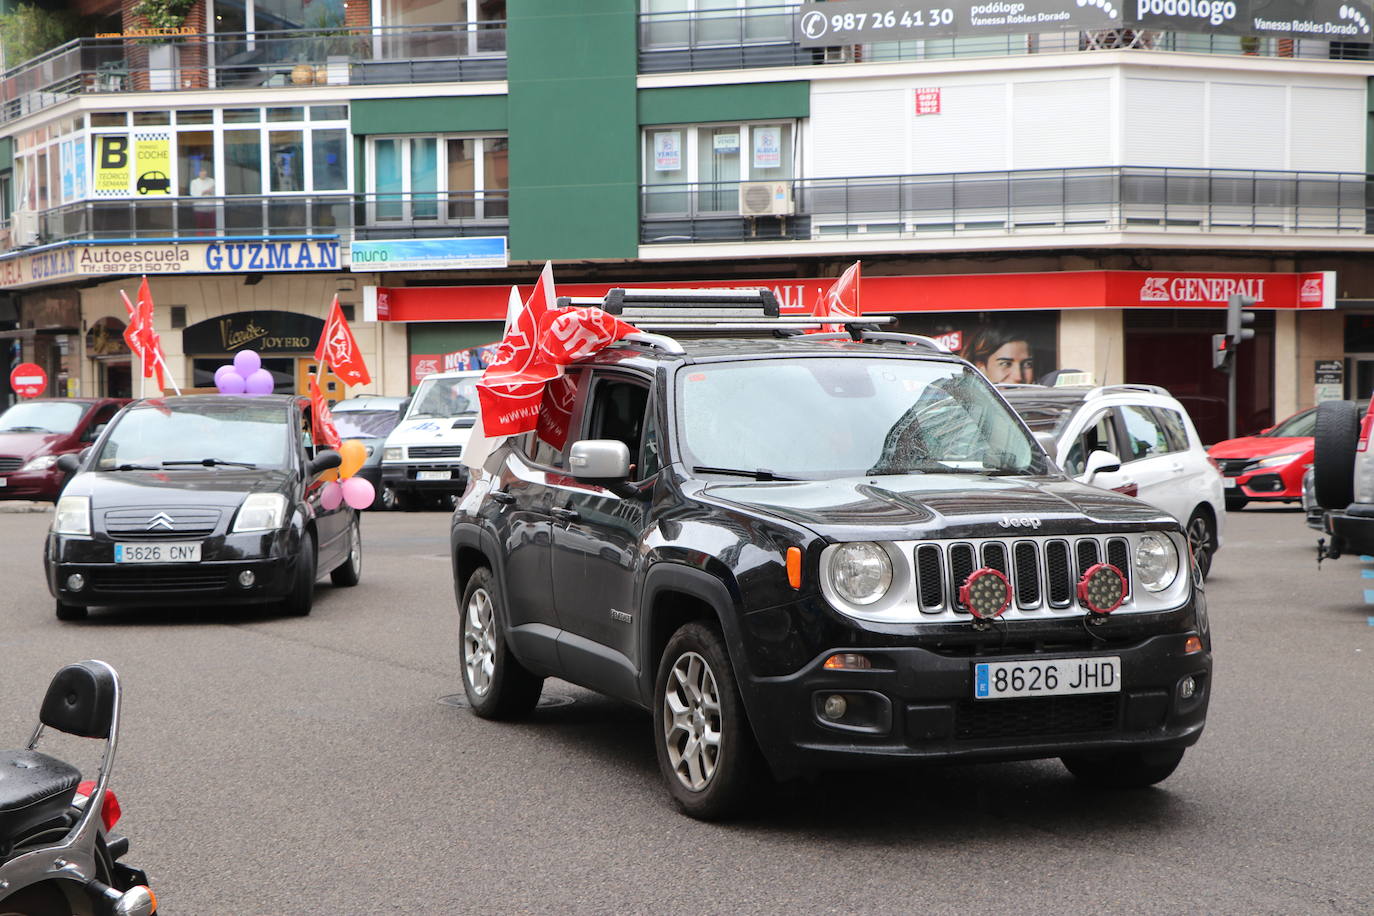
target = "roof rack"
x: 753, y: 310
x: 1148, y: 389
x: 867, y: 334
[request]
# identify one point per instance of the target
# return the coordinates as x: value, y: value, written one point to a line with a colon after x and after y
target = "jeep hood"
x: 915, y: 506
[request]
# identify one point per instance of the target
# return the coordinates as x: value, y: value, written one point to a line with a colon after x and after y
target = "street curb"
x: 24, y: 505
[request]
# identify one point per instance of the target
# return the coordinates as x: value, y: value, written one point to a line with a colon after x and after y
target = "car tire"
x: 1333, y: 461
x: 387, y: 499
x: 496, y: 684
x: 350, y: 572
x: 302, y: 596
x: 1123, y: 769
x: 1236, y: 502
x: 705, y: 745
x: 67, y: 611
x: 1202, y: 538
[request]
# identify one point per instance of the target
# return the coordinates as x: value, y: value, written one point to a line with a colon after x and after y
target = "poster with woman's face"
x: 1020, y: 347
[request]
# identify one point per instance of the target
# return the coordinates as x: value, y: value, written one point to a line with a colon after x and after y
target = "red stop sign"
x: 28, y: 380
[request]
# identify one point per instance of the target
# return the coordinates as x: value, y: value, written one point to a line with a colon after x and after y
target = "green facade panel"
x: 432, y: 115
x: 737, y: 102
x: 6, y: 153
x: 574, y: 166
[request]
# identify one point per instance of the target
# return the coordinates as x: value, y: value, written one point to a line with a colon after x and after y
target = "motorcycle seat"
x: 34, y: 788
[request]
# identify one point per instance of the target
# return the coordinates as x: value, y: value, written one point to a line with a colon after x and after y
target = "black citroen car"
x: 814, y: 553
x: 201, y: 499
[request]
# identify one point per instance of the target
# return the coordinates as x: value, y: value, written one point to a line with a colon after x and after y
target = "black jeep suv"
x: 811, y: 553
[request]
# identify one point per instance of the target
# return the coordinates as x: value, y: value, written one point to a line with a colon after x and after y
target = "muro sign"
x: 841, y: 22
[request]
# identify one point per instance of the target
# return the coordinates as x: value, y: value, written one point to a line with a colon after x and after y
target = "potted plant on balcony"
x: 163, y: 14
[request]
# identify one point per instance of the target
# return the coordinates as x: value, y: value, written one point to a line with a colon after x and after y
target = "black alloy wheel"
x: 496, y: 684
x: 1202, y: 538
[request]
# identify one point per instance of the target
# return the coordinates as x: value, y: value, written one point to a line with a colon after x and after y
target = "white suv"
x: 1135, y: 439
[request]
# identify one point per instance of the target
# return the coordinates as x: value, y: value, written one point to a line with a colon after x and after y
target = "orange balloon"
x: 354, y: 453
x: 331, y: 474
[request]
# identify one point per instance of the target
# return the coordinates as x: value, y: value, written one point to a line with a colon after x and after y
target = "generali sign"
x: 1079, y: 289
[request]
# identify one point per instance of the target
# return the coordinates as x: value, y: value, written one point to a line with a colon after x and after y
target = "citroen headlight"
x: 1276, y: 460
x: 72, y: 515
x: 861, y: 572
x: 1156, y: 562
x: 391, y: 454
x: 261, y: 512
x: 41, y: 463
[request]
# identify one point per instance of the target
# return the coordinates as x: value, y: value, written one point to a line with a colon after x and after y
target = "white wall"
x: 1058, y: 117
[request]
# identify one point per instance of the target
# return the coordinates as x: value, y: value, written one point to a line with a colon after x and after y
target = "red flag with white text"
x: 339, y: 349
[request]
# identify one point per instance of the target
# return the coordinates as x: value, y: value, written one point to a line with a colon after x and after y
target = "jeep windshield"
x: 831, y: 417
x: 186, y: 436
x: 445, y: 397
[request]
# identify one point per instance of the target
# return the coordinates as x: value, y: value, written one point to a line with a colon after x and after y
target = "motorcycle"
x: 58, y: 851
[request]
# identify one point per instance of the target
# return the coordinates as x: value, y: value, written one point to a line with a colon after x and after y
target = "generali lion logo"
x: 1311, y: 290
x: 1153, y: 290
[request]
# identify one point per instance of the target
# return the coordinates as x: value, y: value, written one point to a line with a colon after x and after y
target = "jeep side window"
x: 1144, y: 437
x: 1100, y: 435
x: 565, y: 407
x: 618, y: 413
x: 651, y: 457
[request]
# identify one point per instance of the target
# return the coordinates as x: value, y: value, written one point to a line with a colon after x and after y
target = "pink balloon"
x: 260, y: 382
x: 247, y: 362
x: 331, y: 495
x: 358, y: 492
x: 230, y: 383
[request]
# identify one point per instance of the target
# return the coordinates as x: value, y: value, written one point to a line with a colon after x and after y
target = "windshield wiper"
x: 210, y: 463
x: 133, y: 467
x: 757, y: 474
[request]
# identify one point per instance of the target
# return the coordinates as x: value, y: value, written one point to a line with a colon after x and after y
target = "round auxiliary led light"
x: 986, y: 593
x: 1102, y: 588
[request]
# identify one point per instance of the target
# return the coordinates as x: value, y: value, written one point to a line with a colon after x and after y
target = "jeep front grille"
x: 1044, y: 572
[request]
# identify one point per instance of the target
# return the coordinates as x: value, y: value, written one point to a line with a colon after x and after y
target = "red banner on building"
x: 1128, y: 289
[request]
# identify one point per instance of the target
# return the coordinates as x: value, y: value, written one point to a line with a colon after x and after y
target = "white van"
x: 423, y: 455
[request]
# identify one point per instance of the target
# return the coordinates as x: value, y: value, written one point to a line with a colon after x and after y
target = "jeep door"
x: 596, y: 537
x: 521, y: 518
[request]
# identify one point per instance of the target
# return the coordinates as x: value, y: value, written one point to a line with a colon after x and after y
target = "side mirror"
x: 604, y: 463
x: 69, y: 463
x: 405, y: 405
x: 323, y: 461
x: 1047, y: 442
x: 1100, y: 462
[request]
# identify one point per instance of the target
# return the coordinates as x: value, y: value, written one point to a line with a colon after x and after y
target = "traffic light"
x: 1221, y: 351
x: 1238, y: 320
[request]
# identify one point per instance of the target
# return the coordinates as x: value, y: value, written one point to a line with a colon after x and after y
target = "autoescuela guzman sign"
x: 193, y: 258
x: 840, y: 22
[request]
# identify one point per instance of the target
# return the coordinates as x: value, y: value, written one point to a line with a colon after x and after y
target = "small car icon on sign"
x: 154, y: 181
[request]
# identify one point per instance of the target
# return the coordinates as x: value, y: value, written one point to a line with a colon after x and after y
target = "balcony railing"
x: 1081, y: 200
x: 348, y: 216
x: 762, y: 36
x: 236, y: 60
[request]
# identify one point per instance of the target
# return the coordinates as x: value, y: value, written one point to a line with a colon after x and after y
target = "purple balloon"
x: 358, y: 492
x: 331, y: 495
x: 221, y: 372
x: 260, y: 382
x: 247, y: 362
x: 231, y: 382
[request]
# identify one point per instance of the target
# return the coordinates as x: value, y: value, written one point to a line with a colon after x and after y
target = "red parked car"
x: 1269, y: 465
x: 34, y: 434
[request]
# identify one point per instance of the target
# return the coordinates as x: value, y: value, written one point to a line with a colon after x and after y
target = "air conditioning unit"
x: 24, y: 227
x: 765, y: 198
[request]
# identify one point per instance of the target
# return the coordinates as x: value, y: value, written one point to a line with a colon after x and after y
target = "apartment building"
x: 1093, y: 181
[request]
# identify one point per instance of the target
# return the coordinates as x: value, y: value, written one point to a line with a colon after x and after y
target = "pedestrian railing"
x: 1106, y: 199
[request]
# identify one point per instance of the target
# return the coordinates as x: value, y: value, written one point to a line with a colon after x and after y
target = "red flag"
x: 324, y: 431
x: 340, y: 351
x: 140, y: 335
x: 841, y: 299
x: 133, y: 332
x: 540, y: 340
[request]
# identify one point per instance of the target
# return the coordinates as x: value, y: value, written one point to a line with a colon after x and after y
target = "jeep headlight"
x: 1156, y: 562
x: 391, y: 454
x: 861, y: 573
x: 72, y: 515
x: 41, y: 463
x: 261, y: 512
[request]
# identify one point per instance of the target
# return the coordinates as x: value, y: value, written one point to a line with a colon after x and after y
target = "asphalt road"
x: 307, y: 766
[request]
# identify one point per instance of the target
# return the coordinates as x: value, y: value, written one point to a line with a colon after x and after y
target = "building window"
x: 277, y: 15
x: 437, y: 179
x: 697, y: 169
x: 694, y: 23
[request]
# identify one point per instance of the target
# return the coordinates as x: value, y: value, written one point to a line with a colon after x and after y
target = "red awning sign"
x: 1073, y: 289
x: 28, y: 380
